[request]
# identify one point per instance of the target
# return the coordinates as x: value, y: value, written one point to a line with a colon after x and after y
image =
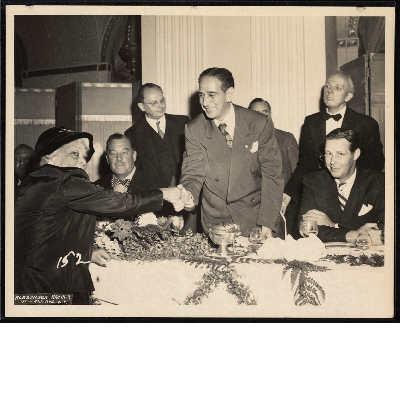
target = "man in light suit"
x: 159, y: 141
x: 125, y: 177
x: 232, y: 158
x: 345, y: 199
x: 286, y: 141
x: 338, y: 90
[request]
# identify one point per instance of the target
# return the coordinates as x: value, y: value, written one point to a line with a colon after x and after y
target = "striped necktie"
x: 160, y: 132
x: 222, y: 128
x: 342, y: 199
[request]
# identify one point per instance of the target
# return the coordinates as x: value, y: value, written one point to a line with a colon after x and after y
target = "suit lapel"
x: 333, y: 194
x: 241, y: 145
x: 173, y: 129
x: 145, y: 142
x: 215, y: 143
x: 353, y: 202
x: 318, y: 136
x: 348, y: 119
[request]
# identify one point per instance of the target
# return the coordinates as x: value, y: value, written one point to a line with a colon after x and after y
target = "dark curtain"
x: 371, y: 31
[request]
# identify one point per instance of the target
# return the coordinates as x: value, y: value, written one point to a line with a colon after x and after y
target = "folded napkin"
x: 147, y: 219
x: 305, y: 249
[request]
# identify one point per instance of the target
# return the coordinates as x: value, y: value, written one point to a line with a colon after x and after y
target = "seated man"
x: 345, y: 200
x: 121, y: 157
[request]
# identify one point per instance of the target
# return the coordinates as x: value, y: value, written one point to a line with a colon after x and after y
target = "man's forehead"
x: 337, y: 144
x: 260, y: 104
x: 337, y: 79
x: 210, y: 84
x: 152, y: 92
x: 119, y: 143
x: 23, y: 152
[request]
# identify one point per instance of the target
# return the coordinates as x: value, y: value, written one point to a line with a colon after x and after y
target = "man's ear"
x: 357, y: 154
x: 229, y: 93
x: 134, y: 155
x: 348, y: 97
x: 141, y: 106
x: 107, y: 159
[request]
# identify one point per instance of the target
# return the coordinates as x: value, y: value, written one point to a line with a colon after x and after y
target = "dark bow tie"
x: 125, y: 182
x: 336, y: 117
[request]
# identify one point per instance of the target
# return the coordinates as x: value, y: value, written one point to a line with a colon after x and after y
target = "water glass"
x: 307, y: 227
x: 363, y: 241
x: 256, y: 235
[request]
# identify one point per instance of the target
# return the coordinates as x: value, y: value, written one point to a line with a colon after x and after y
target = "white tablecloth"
x: 158, y: 289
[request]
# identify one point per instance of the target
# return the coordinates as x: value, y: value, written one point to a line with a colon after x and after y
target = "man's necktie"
x: 160, y: 132
x: 222, y: 128
x: 124, y: 182
x: 336, y: 117
x: 342, y: 199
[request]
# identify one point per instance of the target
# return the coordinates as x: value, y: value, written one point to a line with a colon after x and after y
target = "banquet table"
x: 159, y: 289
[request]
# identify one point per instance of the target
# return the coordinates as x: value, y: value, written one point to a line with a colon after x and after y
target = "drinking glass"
x: 363, y: 241
x: 256, y: 235
x: 307, y: 227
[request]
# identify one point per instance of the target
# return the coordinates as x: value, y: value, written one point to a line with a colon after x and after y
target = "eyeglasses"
x: 154, y: 103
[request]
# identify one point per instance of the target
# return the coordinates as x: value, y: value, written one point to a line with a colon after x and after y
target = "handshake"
x: 179, y: 197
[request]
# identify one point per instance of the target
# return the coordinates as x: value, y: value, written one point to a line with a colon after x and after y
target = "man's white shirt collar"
x: 153, y: 123
x: 331, y: 124
x: 229, y: 120
x: 341, y: 111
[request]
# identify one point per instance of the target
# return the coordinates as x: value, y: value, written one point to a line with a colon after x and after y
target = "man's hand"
x: 100, y: 257
x: 285, y: 202
x: 371, y: 229
x: 173, y: 195
x: 319, y: 216
x: 187, y: 198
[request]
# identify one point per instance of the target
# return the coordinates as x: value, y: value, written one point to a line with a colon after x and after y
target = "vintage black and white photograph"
x: 200, y: 162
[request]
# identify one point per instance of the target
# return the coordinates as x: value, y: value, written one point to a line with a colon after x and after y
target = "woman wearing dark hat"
x: 55, y: 217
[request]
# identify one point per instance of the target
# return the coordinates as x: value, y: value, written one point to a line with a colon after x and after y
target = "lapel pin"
x: 246, y: 146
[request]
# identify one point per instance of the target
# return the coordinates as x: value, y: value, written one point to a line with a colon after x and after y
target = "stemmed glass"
x: 307, y: 227
x: 224, y: 235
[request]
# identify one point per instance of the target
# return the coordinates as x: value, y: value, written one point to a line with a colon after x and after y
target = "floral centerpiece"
x: 149, y: 238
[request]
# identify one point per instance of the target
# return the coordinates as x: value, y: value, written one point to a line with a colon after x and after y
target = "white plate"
x: 339, y: 244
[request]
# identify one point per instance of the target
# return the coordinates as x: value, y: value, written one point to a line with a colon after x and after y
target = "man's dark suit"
x: 139, y: 182
x: 145, y: 140
x: 143, y: 137
x: 312, y: 143
x: 320, y: 193
x: 289, y: 152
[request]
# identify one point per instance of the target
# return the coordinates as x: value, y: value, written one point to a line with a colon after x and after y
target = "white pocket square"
x: 365, y: 209
x: 254, y: 147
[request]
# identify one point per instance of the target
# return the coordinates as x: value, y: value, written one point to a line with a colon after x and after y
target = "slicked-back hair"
x: 140, y: 96
x: 259, y: 100
x: 222, y: 74
x: 349, y: 134
x: 347, y: 77
x: 118, y: 136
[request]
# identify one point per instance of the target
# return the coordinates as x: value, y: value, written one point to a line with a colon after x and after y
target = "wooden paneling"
x: 34, y: 113
x: 98, y: 108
